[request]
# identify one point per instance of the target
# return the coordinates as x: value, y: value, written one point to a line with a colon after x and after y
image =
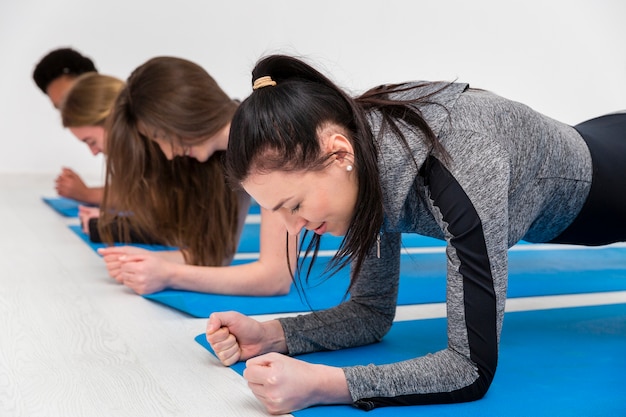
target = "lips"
x: 321, y: 229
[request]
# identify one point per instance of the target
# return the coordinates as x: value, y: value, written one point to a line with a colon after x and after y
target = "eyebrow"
x: 281, y: 203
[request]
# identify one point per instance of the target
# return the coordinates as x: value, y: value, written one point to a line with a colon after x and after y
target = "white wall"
x: 565, y: 58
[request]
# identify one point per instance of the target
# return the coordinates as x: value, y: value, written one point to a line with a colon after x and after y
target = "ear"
x: 342, y: 148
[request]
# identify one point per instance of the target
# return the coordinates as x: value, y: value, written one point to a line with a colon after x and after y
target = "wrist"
x: 93, y: 195
x: 172, y: 274
x: 85, y: 195
x: 274, y: 337
x: 332, y: 386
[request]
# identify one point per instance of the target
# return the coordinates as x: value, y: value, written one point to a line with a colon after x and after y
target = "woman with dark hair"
x: 439, y: 159
x: 165, y: 139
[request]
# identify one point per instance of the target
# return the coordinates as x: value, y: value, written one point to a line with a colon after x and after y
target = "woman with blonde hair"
x: 166, y: 136
x: 84, y: 111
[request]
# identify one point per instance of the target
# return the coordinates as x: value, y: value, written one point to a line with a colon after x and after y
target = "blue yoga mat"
x: 95, y: 246
x: 254, y: 208
x: 249, y: 242
x: 532, y: 272
x: 422, y: 280
x: 64, y: 206
x: 561, y: 362
x: 69, y: 208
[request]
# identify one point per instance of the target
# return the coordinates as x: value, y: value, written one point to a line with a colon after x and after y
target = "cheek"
x: 204, y: 151
x: 339, y: 205
x: 203, y: 155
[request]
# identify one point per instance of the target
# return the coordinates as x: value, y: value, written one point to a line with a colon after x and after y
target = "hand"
x: 234, y: 337
x: 284, y: 384
x: 70, y: 185
x: 111, y: 256
x: 84, y: 214
x: 144, y: 273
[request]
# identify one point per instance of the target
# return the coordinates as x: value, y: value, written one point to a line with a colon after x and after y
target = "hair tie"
x: 263, y: 82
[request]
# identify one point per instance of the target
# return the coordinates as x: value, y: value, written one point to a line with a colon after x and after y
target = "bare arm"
x: 70, y: 185
x: 269, y: 275
x: 93, y: 195
x: 150, y: 272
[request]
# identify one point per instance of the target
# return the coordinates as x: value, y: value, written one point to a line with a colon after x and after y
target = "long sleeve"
x: 464, y: 370
x: 365, y: 318
x: 503, y: 182
x: 475, y: 304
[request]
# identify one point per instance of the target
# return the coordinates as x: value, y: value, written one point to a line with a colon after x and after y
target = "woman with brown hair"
x: 165, y: 140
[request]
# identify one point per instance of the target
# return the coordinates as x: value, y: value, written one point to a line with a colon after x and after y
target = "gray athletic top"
x: 514, y: 174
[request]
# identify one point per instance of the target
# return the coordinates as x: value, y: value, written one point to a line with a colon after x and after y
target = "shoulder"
x: 428, y: 92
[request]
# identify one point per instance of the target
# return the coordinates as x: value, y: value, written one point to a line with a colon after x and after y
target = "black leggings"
x: 602, y: 219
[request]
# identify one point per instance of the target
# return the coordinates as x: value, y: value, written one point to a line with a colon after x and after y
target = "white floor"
x: 74, y: 343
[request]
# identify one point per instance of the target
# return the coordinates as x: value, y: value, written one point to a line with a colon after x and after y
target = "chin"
x: 337, y: 232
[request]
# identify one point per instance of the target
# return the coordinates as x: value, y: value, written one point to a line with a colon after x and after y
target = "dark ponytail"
x: 276, y: 127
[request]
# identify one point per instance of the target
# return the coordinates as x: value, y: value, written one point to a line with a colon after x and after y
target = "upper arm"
x: 476, y: 254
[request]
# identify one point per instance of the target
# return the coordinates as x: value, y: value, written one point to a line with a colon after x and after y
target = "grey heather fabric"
x: 527, y: 177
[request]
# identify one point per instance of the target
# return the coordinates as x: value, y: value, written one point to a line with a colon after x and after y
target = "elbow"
x: 474, y: 392
x: 378, y: 321
x: 275, y: 284
x: 283, y: 288
x: 383, y: 327
x: 478, y: 388
x: 484, y: 381
x: 280, y: 288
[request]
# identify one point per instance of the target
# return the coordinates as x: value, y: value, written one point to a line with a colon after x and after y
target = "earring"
x: 349, y: 168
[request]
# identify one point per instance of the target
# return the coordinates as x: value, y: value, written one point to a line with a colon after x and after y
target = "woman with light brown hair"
x: 165, y: 140
x: 84, y: 111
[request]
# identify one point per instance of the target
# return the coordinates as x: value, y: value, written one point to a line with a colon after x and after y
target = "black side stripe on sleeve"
x: 478, y: 291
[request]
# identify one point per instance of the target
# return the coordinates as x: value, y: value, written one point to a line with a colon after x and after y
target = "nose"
x: 167, y: 150
x: 293, y: 222
x: 95, y: 150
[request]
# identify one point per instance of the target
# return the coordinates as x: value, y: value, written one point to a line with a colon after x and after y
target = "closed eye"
x: 295, y: 209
